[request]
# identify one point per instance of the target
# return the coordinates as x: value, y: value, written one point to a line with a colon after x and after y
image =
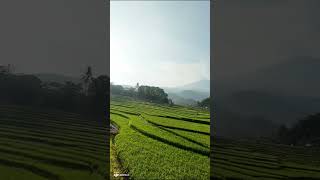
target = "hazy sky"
x: 254, y: 33
x: 60, y: 36
x: 160, y: 43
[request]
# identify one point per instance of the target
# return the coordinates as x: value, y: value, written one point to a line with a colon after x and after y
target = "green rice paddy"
x: 160, y: 142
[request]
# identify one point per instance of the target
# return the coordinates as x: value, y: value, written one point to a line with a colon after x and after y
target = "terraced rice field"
x: 47, y: 144
x: 256, y: 160
x: 160, y: 142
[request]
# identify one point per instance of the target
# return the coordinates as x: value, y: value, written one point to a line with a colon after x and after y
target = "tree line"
x: 305, y: 131
x: 147, y: 93
x: 89, y: 97
x: 205, y: 103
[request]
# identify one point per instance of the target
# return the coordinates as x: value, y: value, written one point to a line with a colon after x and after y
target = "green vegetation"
x: 305, y: 131
x: 37, y: 143
x: 244, y: 159
x: 160, y: 141
x: 146, y: 93
x: 53, y: 130
x: 116, y: 167
x: 205, y: 103
x: 87, y: 97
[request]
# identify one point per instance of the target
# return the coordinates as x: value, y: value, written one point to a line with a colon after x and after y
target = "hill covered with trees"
x: 89, y: 97
x: 205, y: 103
x: 305, y: 132
x: 146, y: 93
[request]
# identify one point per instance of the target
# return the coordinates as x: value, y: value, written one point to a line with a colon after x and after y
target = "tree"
x: 19, y: 89
x: 205, y: 103
x: 153, y: 94
x: 87, y: 79
x: 28, y: 90
x: 304, y: 131
x: 116, y: 89
x: 70, y: 93
x: 99, y: 92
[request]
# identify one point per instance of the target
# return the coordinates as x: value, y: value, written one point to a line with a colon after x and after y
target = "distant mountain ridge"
x: 189, y: 93
x: 177, y: 99
x: 201, y: 85
x: 276, y: 94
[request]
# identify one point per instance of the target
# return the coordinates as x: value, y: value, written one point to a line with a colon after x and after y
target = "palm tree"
x: 87, y: 79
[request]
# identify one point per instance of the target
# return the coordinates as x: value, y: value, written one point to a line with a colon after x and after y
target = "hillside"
x: 178, y: 99
x: 189, y: 93
x: 172, y: 142
x: 280, y: 93
x: 201, y: 85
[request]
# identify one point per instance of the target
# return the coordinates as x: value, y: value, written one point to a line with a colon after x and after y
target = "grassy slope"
x: 148, y: 151
x: 48, y: 144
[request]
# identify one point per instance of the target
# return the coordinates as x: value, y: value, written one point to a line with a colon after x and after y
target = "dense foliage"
x: 205, y: 103
x: 147, y: 93
x: 305, y: 131
x: 90, y: 97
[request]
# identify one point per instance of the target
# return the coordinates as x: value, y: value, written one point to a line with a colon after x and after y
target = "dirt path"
x: 116, y: 167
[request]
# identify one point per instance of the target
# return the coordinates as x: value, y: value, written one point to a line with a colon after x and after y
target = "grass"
x: 172, y: 142
x: 38, y: 143
x: 116, y: 167
x: 152, y: 151
x: 253, y: 160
